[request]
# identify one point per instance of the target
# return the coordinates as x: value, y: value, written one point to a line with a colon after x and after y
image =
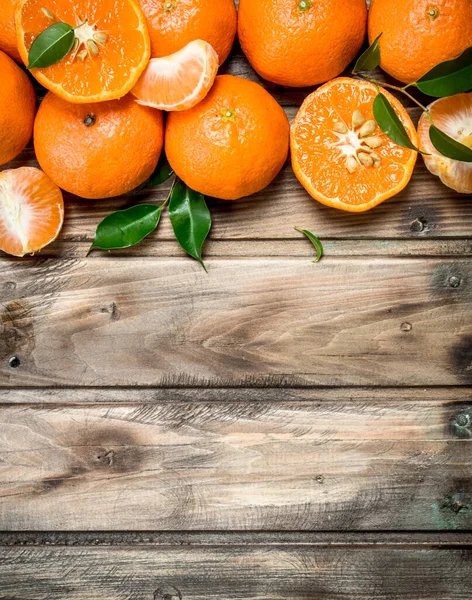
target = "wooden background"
x: 274, y: 429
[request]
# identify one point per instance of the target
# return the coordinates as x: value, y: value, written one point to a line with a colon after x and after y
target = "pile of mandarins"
x: 99, y: 131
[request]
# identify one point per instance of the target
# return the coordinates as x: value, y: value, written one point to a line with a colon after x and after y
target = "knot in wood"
x: 167, y: 592
x: 461, y: 425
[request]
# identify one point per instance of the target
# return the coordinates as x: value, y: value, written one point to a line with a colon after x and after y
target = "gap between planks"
x: 424, y: 539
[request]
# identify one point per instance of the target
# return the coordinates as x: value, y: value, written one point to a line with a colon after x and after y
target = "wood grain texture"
x: 250, y: 322
x: 253, y: 574
x: 304, y: 463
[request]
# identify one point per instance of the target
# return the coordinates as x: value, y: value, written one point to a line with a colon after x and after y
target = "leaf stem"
x: 398, y: 89
x: 166, y: 201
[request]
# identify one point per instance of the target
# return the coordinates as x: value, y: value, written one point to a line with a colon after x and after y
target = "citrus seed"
x: 365, y: 159
x: 340, y: 127
x: 373, y: 142
x: 351, y: 164
x: 100, y: 37
x: 92, y: 46
x: 358, y: 118
x: 48, y: 14
x: 376, y: 158
x: 82, y: 55
x: 75, y: 46
x: 367, y: 129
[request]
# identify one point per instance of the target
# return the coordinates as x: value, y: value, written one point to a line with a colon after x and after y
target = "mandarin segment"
x: 110, y: 51
x: 98, y: 150
x: 179, y: 81
x: 31, y: 211
x: 453, y: 116
x: 417, y: 35
x: 173, y: 24
x: 232, y: 144
x: 17, y: 109
x: 301, y: 43
x: 354, y: 167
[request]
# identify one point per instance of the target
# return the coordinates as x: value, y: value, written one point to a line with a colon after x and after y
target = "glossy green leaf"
x: 448, y: 78
x: 315, y: 241
x: 448, y: 146
x: 190, y: 218
x: 370, y: 59
x: 390, y: 123
x: 125, y: 228
x: 51, y: 46
x: 162, y: 173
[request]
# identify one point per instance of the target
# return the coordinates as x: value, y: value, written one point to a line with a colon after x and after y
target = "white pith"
x: 14, y: 215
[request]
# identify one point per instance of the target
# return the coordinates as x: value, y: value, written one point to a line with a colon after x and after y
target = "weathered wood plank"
x: 256, y: 574
x: 301, y: 464
x: 451, y: 398
x: 153, y: 246
x: 249, y: 323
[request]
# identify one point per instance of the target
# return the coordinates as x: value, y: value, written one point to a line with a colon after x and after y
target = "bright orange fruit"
x: 111, y: 51
x: 452, y: 115
x: 173, y: 24
x: 230, y: 145
x: 31, y: 211
x: 301, y: 42
x: 340, y: 155
x: 8, y: 29
x: 419, y: 34
x: 179, y: 81
x: 98, y: 150
x: 17, y: 109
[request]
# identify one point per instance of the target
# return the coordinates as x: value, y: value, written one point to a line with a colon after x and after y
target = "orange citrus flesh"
x: 113, y: 50
x: 179, y: 81
x: 331, y: 157
x: 31, y: 211
x: 452, y: 115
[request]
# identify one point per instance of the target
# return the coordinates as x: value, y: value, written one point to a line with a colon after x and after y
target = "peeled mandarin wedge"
x: 111, y: 49
x: 179, y: 81
x: 31, y: 211
x: 453, y: 116
x: 339, y: 153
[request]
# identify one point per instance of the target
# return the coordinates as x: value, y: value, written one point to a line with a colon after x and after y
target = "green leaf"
x: 370, y: 59
x: 51, y: 46
x: 190, y: 218
x: 162, y: 173
x: 448, y: 78
x: 125, y: 228
x: 448, y: 146
x: 315, y: 241
x: 390, y: 123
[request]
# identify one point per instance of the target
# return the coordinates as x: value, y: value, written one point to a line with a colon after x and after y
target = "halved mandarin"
x: 31, y: 211
x: 339, y: 153
x: 453, y: 116
x: 110, y: 52
x: 179, y: 81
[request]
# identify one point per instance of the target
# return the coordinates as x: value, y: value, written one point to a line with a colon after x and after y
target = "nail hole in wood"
x: 14, y: 362
x: 454, y: 281
x: 419, y: 225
